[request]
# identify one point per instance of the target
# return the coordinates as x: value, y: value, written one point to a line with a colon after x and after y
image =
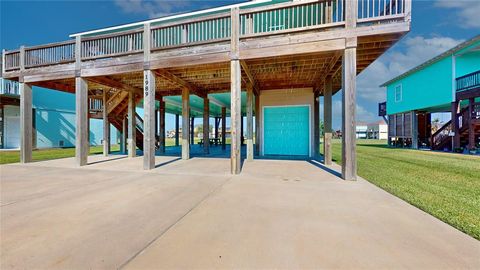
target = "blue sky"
x: 436, y: 27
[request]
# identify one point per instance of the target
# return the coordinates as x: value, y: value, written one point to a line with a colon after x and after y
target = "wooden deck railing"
x: 254, y: 22
x: 468, y: 82
x: 8, y: 87
x: 116, y: 44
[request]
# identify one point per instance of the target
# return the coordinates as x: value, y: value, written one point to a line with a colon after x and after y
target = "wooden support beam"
x: 250, y: 77
x: 149, y: 120
x: 177, y: 129
x: 455, y: 124
x: 180, y: 82
x: 414, y: 129
x: 123, y: 141
x: 185, y: 125
x: 316, y: 124
x: 107, y: 81
x: 332, y: 68
x: 132, y: 129
x: 235, y: 93
x: 327, y: 122
x: 161, y: 134
x: 224, y: 128
x: 192, y: 130
x: 349, y: 162
x: 216, y: 127
x: 206, y: 126
x: 471, y: 125
x: 257, y: 124
x: 249, y: 122
x: 82, y: 122
x: 26, y: 129
x: 106, y: 126
x: 217, y: 102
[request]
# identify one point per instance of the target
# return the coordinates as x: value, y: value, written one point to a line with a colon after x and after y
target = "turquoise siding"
x: 287, y: 130
x: 55, y: 120
x: 429, y: 87
x: 467, y: 63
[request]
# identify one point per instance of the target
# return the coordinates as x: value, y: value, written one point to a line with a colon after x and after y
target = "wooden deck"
x: 279, y: 46
x: 299, y: 55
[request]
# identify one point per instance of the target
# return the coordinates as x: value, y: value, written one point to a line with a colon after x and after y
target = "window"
x: 398, y: 93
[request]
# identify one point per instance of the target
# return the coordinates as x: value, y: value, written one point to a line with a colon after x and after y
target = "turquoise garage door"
x: 286, y: 130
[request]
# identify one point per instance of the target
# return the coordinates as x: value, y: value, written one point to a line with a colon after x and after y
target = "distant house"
x: 376, y: 130
x: 53, y: 118
x: 448, y: 83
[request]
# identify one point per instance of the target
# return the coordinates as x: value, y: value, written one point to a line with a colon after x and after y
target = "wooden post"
x: 471, y: 127
x: 327, y: 122
x: 216, y: 129
x: 224, y: 127
x: 349, y: 162
x: 455, y: 125
x: 235, y: 89
x: 26, y: 130
x: 206, y: 126
x: 316, y: 124
x: 157, y: 116
x: 132, y: 129
x: 235, y: 117
x: 149, y: 120
x: 185, y: 125
x: 106, y: 126
x: 249, y: 122
x: 414, y: 129
x: 192, y: 130
x: 177, y: 129
x: 123, y: 142
x: 81, y: 110
x: 349, y: 85
x: 161, y: 134
x: 257, y: 124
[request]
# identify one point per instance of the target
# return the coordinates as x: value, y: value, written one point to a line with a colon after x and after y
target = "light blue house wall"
x: 55, y: 120
x: 430, y: 86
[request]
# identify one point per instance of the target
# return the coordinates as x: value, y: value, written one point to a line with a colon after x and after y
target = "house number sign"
x: 146, y: 85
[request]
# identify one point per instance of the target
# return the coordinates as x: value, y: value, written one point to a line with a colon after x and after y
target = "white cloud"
x: 153, y: 8
x: 416, y: 50
x: 465, y: 11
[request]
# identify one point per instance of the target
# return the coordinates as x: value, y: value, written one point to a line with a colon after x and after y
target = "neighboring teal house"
x: 450, y: 83
x: 53, y: 119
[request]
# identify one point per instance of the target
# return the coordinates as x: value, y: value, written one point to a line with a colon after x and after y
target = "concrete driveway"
x: 193, y: 214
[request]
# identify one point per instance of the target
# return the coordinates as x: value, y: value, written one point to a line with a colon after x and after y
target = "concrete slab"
x: 76, y: 218
x: 191, y: 214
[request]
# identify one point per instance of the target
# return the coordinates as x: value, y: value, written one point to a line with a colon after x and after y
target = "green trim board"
x: 286, y: 130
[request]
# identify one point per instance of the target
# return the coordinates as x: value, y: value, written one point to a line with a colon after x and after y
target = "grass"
x: 55, y: 153
x: 444, y: 185
x: 47, y: 154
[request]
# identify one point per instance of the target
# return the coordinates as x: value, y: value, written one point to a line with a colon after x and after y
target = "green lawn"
x: 46, y: 154
x: 445, y: 185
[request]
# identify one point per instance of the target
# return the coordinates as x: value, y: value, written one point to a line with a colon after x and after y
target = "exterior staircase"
x: 441, y: 139
x: 117, y: 104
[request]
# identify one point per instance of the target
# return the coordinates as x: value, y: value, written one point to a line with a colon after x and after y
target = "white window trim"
x: 395, y: 93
